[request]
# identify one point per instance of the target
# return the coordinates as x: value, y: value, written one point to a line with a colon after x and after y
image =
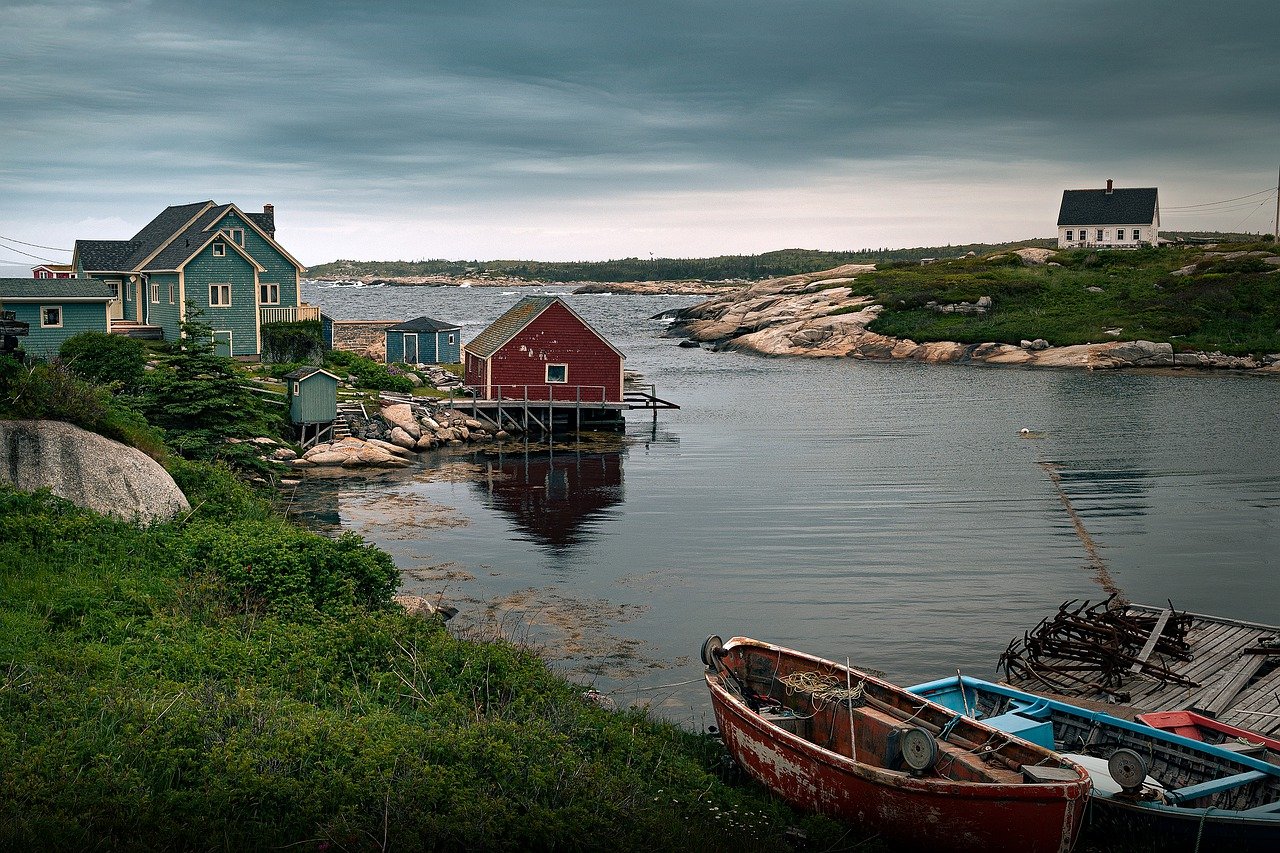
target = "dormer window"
x: 237, y: 235
x: 219, y: 250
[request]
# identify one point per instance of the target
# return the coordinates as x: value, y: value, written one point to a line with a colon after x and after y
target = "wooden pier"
x: 532, y: 412
x: 1227, y: 669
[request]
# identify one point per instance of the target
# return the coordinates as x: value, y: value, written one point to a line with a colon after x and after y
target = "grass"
x: 1230, y: 305
x: 232, y: 682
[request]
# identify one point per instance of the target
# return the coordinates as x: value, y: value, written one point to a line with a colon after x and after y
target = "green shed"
x: 312, y: 395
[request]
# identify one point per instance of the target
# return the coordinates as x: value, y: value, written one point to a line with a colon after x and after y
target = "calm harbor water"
x: 886, y: 512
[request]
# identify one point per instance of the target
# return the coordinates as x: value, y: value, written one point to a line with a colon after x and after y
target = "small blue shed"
x: 312, y: 395
x: 424, y: 341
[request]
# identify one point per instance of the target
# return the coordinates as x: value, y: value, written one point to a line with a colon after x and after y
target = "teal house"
x: 54, y: 309
x: 424, y: 341
x: 214, y: 258
x: 312, y: 396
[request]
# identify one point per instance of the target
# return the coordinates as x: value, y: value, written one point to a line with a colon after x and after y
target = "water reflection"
x: 557, y: 497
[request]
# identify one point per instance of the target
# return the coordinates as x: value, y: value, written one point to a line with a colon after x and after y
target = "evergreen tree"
x: 199, y: 401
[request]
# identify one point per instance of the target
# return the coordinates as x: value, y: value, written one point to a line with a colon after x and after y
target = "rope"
x: 826, y: 688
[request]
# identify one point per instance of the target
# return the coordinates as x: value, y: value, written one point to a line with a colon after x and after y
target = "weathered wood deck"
x: 1237, y: 676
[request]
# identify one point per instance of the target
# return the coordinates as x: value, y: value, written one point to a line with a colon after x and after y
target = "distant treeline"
x: 723, y: 268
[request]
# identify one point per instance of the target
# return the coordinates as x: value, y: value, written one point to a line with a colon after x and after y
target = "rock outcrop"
x: 821, y: 315
x: 89, y: 470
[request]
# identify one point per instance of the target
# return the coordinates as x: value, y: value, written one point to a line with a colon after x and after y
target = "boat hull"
x: 1245, y: 820
x: 908, y: 812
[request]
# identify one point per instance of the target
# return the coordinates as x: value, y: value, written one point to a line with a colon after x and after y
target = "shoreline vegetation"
x: 228, y: 680
x: 1186, y: 305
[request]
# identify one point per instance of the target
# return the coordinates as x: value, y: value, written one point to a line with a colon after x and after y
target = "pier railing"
x: 579, y: 394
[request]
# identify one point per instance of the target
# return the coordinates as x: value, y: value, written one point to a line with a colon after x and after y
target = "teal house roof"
x: 54, y: 290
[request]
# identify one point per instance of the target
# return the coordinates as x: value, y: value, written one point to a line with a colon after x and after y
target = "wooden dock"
x: 1227, y: 669
x: 551, y: 415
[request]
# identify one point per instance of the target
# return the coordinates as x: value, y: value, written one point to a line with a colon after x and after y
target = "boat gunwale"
x: 1075, y: 789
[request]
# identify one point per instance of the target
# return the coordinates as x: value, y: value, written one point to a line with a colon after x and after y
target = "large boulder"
x: 89, y: 470
x: 401, y: 415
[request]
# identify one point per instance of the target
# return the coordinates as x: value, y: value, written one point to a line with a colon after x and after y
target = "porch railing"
x: 289, y: 315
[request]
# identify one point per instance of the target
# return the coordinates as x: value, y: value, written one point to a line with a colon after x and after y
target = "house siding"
x: 278, y: 268
x: 556, y: 336
x: 77, y: 317
x: 241, y: 317
x: 448, y: 353
x: 162, y: 314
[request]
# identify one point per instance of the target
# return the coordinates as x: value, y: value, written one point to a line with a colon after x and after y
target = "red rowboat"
x: 834, y: 740
x: 1202, y: 728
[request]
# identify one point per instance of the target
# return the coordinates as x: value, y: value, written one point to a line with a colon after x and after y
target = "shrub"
x: 106, y: 359
x: 291, y: 342
x: 368, y: 373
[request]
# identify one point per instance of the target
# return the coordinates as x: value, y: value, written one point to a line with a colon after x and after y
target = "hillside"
x: 724, y: 268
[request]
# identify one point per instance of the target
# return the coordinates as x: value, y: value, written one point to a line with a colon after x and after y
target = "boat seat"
x: 1216, y: 786
x: 1039, y: 732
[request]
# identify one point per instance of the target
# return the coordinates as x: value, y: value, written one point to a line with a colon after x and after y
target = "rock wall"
x: 89, y: 470
x: 363, y: 337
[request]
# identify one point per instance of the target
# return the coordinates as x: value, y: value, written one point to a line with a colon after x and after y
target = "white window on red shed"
x: 557, y: 373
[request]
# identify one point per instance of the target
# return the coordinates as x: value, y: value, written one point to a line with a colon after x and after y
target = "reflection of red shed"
x: 540, y: 349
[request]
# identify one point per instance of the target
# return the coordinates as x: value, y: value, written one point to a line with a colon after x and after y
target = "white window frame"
x: 43, y: 316
x: 231, y: 339
x: 219, y: 250
x: 155, y: 293
x: 297, y: 387
x: 451, y: 337
x: 563, y: 380
x: 1069, y: 233
x: 1100, y: 233
x: 219, y: 288
x: 236, y: 235
x: 170, y: 294
x: 115, y: 284
x: 262, y: 288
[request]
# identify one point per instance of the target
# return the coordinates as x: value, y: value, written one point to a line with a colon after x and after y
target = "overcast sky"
x: 591, y: 130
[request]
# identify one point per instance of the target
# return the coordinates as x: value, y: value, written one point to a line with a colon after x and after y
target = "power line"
x: 29, y: 255
x: 1267, y: 191
x: 33, y: 245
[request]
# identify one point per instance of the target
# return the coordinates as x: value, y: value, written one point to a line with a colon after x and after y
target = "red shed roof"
x: 516, y: 319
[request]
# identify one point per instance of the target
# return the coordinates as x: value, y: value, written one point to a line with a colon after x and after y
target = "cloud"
x: 464, y: 111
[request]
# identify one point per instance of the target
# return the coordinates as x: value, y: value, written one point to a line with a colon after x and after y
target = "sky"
x: 493, y: 129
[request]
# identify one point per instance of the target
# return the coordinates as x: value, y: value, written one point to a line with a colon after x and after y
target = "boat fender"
x: 1128, y: 768
x: 919, y: 749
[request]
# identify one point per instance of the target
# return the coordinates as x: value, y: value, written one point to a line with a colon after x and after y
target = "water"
x: 886, y: 512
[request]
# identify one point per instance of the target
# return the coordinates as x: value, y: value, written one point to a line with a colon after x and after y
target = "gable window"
x: 557, y: 373
x: 219, y: 295
x: 155, y: 292
x: 51, y: 316
x: 268, y: 294
x: 219, y: 250
x: 171, y: 294
x: 237, y: 235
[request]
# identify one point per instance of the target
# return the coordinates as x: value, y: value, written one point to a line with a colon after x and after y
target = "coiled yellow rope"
x: 826, y: 688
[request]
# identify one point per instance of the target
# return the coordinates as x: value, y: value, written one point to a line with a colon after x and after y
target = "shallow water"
x: 886, y: 512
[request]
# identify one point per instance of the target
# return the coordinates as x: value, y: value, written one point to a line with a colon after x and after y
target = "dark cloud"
x: 485, y: 101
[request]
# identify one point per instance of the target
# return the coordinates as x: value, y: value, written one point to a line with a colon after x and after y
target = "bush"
x: 368, y: 373
x: 291, y: 342
x: 104, y: 359
x: 53, y: 392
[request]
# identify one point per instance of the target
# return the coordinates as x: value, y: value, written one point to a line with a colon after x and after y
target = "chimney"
x: 269, y: 213
x: 270, y: 209
x: 1108, y: 186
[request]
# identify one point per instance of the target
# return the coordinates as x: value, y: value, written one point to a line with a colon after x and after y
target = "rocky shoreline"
x: 394, y: 436
x: 821, y: 315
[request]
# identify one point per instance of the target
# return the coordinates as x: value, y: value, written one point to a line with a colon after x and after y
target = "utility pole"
x: 1277, y: 233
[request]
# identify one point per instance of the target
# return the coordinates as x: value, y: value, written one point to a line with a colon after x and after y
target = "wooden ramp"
x: 1228, y: 669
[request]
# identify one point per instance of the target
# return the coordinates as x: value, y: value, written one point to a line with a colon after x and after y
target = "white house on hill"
x: 1111, y: 218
